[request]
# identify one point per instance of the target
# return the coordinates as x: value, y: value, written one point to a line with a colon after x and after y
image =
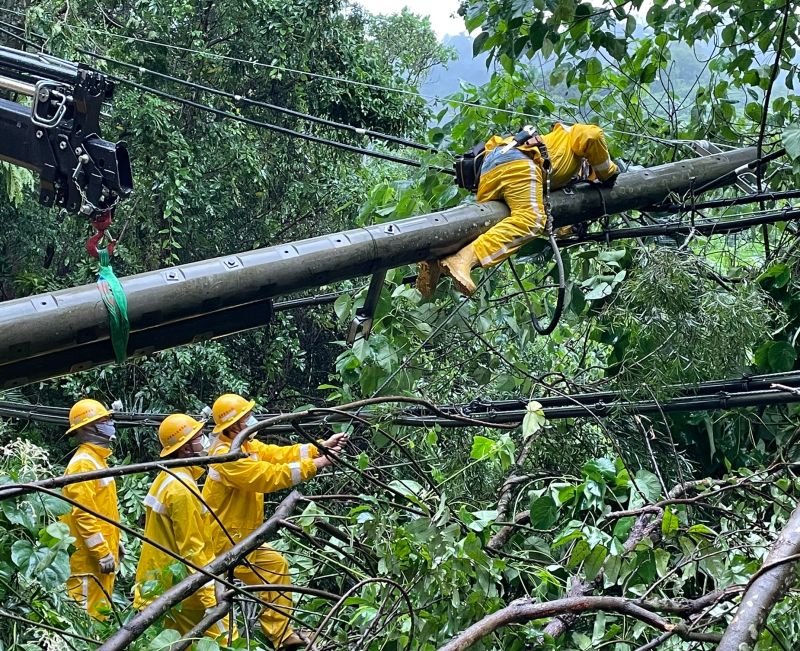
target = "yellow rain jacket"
x: 235, y: 491
x: 516, y: 177
x: 176, y: 518
x: 94, y: 538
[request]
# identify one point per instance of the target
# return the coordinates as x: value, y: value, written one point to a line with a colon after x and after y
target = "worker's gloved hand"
x: 610, y: 181
x: 107, y: 564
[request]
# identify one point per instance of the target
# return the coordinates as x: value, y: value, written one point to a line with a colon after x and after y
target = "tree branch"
x: 765, y: 590
x: 525, y: 610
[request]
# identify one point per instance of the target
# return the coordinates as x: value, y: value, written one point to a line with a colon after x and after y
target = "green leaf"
x: 648, y: 484
x: 600, y: 470
x: 791, y: 140
x: 205, y: 644
x: 407, y: 487
x: 164, y: 640
x: 779, y: 274
x: 648, y: 73
x: 544, y: 512
x: 601, y: 290
x: 479, y: 43
x: 594, y: 562
x: 670, y: 523
x: 482, y: 447
x: 781, y: 356
x: 579, y: 553
x: 21, y: 553
x: 753, y: 111
x: 538, y: 30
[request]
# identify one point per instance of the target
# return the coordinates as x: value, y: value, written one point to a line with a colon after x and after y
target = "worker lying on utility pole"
x: 518, y: 170
x: 176, y: 518
x: 235, y: 492
x: 98, y: 549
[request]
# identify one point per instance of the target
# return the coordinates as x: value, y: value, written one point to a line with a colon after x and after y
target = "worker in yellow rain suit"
x: 515, y: 175
x: 176, y: 518
x: 97, y: 543
x: 235, y: 492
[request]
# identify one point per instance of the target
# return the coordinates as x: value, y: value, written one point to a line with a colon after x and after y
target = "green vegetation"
x: 473, y: 518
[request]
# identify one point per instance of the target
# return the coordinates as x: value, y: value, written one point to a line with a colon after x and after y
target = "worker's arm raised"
x: 259, y: 476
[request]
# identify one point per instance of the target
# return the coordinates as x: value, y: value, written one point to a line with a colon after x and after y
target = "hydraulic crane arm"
x: 58, y: 135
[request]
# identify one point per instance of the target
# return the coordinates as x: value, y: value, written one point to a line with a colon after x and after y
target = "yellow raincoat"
x: 516, y: 177
x: 176, y: 519
x: 235, y: 492
x: 94, y: 538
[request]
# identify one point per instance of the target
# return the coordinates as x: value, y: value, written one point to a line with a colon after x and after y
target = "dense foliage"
x: 464, y: 521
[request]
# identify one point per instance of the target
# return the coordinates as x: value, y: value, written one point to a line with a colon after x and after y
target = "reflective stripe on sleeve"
x: 297, y: 476
x: 154, y: 504
x: 94, y: 540
x: 213, y: 473
x: 304, y: 453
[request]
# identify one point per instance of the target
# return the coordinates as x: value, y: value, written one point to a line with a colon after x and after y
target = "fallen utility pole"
x: 66, y: 331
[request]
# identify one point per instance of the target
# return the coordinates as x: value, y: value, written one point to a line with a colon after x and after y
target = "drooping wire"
x: 431, y: 99
x: 278, y: 129
x: 272, y: 107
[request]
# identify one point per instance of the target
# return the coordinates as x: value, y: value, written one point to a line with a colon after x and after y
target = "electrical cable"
x: 282, y: 130
x: 434, y: 99
x: 733, y: 201
x: 273, y: 127
x: 721, y: 227
x: 744, y: 391
x: 273, y: 107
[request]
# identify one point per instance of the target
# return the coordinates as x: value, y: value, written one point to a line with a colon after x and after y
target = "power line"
x: 267, y: 125
x: 702, y: 228
x: 746, y: 391
x: 344, y: 80
x: 278, y: 129
x: 238, y: 98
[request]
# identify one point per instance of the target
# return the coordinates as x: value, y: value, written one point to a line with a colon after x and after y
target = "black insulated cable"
x: 278, y: 129
x: 241, y: 99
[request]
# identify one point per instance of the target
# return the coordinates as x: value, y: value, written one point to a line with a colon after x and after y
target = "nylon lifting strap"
x: 116, y: 304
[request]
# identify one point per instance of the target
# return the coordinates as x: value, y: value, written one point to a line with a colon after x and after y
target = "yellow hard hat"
x: 229, y: 408
x: 85, y: 412
x: 176, y: 430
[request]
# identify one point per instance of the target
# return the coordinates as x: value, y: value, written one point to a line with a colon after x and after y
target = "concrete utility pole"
x: 66, y: 331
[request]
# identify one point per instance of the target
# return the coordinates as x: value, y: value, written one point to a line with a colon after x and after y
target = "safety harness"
x: 468, y: 168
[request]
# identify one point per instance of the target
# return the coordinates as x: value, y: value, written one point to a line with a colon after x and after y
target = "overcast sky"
x: 440, y: 11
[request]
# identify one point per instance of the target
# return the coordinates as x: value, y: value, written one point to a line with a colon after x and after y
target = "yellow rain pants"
x: 94, y: 538
x: 235, y: 492
x: 516, y: 177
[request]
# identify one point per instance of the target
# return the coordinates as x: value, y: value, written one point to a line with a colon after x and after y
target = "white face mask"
x: 107, y: 430
x: 205, y: 442
x: 251, y: 420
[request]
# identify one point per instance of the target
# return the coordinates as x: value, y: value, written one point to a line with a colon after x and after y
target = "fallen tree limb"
x: 765, y: 590
x: 526, y: 610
